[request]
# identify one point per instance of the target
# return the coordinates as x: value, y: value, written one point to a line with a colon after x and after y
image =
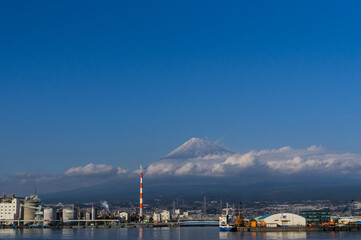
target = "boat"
x: 227, y: 222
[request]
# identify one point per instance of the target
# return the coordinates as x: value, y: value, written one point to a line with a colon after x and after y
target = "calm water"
x: 196, y: 233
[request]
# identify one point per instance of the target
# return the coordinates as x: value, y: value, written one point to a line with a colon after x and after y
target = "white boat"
x: 227, y: 222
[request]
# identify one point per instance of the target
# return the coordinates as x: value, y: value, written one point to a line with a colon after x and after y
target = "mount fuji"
x: 196, y: 147
x: 197, y: 156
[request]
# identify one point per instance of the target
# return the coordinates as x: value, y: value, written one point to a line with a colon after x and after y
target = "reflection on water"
x: 9, y: 233
x: 262, y: 235
x: 223, y: 235
x: 68, y: 233
x: 140, y: 234
x: 189, y: 233
x: 286, y: 235
x: 163, y: 233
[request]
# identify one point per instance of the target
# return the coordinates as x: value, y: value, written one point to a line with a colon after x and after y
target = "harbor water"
x: 191, y: 233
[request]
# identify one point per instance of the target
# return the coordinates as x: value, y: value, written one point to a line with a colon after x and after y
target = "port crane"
x: 348, y: 209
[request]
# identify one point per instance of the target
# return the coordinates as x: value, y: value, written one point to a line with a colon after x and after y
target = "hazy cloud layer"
x: 75, y: 177
x: 266, y: 164
x: 95, y: 170
x: 283, y: 161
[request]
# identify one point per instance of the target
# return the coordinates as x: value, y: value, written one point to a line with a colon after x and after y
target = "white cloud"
x: 314, y: 148
x: 90, y: 170
x: 241, y: 160
x: 160, y: 168
x: 121, y: 171
x: 285, y: 160
x: 288, y: 166
x: 186, y: 168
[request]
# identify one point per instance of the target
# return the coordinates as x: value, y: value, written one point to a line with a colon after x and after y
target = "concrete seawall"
x: 123, y: 225
x: 345, y: 228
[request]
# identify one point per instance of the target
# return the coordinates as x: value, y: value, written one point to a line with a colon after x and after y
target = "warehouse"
x: 281, y: 220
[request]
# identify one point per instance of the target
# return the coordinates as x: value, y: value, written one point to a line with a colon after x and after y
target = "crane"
x: 240, y: 220
x: 348, y: 207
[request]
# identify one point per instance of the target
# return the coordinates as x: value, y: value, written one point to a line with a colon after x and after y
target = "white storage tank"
x: 49, y: 216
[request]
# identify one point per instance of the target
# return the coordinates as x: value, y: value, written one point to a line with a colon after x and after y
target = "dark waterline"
x: 191, y: 233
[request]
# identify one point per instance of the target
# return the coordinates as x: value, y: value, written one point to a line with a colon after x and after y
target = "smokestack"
x: 141, y: 193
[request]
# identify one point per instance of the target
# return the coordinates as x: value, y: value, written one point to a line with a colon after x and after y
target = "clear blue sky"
x: 122, y: 82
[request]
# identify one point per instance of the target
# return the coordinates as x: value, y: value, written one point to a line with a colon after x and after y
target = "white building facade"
x: 9, y: 209
x: 157, y: 217
x: 165, y: 216
x: 282, y: 220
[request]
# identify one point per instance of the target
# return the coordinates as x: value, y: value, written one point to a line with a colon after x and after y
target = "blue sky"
x: 126, y: 82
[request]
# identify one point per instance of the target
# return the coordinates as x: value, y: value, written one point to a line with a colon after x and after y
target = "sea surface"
x: 192, y: 233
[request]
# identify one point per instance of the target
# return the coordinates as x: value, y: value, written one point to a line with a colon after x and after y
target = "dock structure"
x: 344, y: 228
x: 111, y: 223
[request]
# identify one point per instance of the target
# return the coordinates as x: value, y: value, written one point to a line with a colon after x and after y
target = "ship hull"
x: 228, y: 229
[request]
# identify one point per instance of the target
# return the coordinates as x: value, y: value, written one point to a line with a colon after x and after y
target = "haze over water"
x: 190, y: 233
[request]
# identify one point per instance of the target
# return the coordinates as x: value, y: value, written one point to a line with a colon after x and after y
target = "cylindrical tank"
x: 29, y: 213
x: 49, y: 216
x: 263, y: 224
x: 253, y: 224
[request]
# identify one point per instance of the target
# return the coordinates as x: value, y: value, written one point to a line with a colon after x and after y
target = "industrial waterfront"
x: 18, y: 213
x: 191, y: 233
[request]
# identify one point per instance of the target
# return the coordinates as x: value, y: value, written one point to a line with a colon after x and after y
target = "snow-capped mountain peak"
x: 196, y: 147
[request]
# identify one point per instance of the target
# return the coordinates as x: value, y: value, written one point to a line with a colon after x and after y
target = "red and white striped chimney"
x: 141, y: 193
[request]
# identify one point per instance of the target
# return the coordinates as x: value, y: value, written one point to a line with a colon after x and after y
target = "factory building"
x: 157, y: 217
x: 349, y: 220
x: 165, y: 216
x: 281, y: 220
x: 9, y: 208
x: 184, y: 215
x: 69, y: 213
x: 317, y: 216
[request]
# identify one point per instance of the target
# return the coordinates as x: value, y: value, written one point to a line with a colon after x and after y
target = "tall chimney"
x: 141, y: 194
